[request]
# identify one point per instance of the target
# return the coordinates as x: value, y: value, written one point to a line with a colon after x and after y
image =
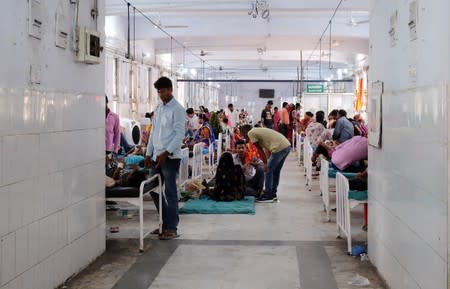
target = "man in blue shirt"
x: 344, y: 128
x: 164, y: 153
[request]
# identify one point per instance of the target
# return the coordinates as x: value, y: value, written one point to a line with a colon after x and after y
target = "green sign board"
x: 315, y: 88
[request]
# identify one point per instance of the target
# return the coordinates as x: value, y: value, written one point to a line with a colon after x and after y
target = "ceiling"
x: 239, y: 46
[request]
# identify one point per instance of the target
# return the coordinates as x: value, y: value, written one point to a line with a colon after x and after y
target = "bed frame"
x: 197, y: 161
x: 308, y: 163
x: 183, y: 174
x: 299, y: 148
x: 294, y: 138
x: 135, y: 196
x: 210, y: 159
x: 325, y: 183
x: 219, y: 146
x: 343, y: 218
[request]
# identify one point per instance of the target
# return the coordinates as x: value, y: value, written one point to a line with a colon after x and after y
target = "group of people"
x: 342, y: 140
x: 250, y: 166
x: 283, y: 120
x: 257, y: 153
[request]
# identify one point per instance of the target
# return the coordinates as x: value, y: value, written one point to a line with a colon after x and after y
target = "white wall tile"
x: 42, y: 275
x: 408, y: 177
x: 51, y: 107
x: 5, y: 111
x: 83, y: 182
x: 21, y: 211
x: 51, y: 152
x: 8, y: 261
x: 82, y: 111
x: 62, y: 229
x: 29, y: 279
x: 1, y: 160
x: 17, y: 283
x: 22, y: 255
x: 52, y: 190
x: 33, y: 244
x: 4, y: 210
x: 100, y: 209
x: 82, y: 218
x: 24, y: 104
x: 20, y: 157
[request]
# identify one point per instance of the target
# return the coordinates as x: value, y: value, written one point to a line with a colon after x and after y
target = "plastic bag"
x: 359, y: 281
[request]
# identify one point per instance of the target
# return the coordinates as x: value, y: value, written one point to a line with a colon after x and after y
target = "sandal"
x: 168, y: 235
x: 155, y: 232
x: 114, y: 229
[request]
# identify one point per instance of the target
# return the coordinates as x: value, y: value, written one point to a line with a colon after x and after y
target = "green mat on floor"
x: 208, y: 206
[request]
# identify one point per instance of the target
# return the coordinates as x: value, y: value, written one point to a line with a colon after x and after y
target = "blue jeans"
x: 170, y: 210
x: 272, y: 176
x: 189, y: 133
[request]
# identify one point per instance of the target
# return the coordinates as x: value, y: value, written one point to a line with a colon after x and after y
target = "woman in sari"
x: 205, y: 133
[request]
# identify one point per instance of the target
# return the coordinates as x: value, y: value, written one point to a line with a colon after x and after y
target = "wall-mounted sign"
x: 315, y: 88
x: 375, y: 113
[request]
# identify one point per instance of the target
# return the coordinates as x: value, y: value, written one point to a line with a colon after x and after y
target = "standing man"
x: 278, y: 147
x: 164, y: 153
x: 232, y: 115
x: 267, y: 116
x: 112, y: 130
x: 284, y: 120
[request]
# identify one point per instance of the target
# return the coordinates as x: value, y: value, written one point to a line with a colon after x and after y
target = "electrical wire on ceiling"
x: 172, y: 39
x: 319, y: 43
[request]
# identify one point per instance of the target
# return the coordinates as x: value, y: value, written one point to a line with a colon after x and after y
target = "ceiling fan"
x: 352, y: 22
x: 203, y: 53
x: 175, y: 26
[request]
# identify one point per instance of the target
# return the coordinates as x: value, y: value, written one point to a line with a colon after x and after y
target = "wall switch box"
x: 62, y: 34
x: 393, y: 28
x: 413, y: 16
x: 89, y: 46
x: 35, y: 19
x: 35, y: 74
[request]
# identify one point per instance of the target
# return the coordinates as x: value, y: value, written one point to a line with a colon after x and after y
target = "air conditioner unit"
x: 131, y: 130
x: 89, y: 46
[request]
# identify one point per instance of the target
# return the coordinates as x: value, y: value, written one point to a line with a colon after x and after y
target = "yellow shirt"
x: 269, y: 139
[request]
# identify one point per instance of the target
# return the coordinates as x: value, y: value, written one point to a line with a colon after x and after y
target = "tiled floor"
x: 285, y: 245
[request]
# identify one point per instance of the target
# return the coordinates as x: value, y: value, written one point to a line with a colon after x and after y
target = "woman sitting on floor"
x: 229, y: 180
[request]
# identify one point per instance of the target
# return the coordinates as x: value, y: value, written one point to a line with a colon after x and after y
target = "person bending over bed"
x: 350, y: 155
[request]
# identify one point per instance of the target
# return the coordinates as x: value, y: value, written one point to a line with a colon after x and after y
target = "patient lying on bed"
x: 118, y: 175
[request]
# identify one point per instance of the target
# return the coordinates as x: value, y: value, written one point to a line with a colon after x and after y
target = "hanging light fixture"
x: 260, y: 7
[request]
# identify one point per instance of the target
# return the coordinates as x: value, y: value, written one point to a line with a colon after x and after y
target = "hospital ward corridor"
x: 288, y: 244
x: 225, y: 144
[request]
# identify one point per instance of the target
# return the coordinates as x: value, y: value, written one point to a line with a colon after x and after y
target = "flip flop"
x: 168, y: 235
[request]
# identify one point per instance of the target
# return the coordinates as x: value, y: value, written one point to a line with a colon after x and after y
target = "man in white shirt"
x: 191, y: 122
x: 232, y: 115
x: 164, y: 153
